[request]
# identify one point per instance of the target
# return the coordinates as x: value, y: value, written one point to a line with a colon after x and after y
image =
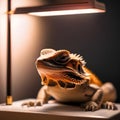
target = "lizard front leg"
x: 94, y: 97
x: 41, y: 99
x: 42, y: 96
x: 103, y: 97
x: 95, y: 100
x: 110, y: 96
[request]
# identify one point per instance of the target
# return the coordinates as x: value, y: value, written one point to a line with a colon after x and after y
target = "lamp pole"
x: 9, y: 95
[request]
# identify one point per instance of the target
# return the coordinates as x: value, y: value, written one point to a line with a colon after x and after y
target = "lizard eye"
x: 62, y: 58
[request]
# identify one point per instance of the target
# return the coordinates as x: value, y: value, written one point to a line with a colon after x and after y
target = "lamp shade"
x: 63, y: 7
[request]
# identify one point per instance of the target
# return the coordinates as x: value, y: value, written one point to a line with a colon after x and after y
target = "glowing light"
x: 66, y: 12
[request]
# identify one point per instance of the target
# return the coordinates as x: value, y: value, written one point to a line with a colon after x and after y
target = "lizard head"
x: 61, y: 66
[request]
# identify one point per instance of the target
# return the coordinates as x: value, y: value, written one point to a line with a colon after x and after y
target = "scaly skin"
x: 65, y: 77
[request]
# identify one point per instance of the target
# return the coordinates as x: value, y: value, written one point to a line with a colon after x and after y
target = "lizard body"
x: 65, y: 77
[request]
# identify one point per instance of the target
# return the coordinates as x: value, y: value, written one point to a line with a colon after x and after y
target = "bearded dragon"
x: 65, y: 77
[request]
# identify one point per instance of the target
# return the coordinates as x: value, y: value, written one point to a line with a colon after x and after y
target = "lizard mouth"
x: 58, y: 72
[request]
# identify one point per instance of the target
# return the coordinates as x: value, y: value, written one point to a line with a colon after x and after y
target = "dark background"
x: 94, y: 36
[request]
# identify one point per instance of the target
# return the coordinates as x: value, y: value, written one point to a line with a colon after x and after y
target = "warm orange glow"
x: 3, y: 42
x: 67, y: 12
x: 27, y: 40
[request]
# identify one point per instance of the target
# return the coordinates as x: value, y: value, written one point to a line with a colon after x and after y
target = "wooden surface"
x: 54, y: 111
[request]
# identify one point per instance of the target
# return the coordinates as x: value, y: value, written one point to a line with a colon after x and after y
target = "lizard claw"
x: 109, y: 105
x: 38, y: 103
x: 28, y: 104
x: 90, y: 106
x: 32, y: 103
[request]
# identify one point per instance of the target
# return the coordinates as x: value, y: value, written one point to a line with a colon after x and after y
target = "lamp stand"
x: 9, y: 96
